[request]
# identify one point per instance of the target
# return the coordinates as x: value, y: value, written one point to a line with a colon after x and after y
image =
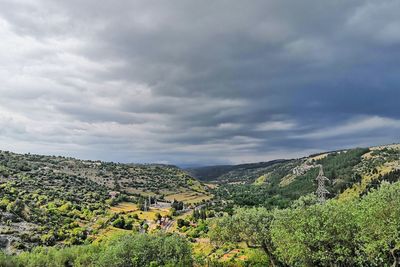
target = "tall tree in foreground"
x: 319, y: 235
x: 248, y: 225
x: 379, y: 220
x: 361, y: 232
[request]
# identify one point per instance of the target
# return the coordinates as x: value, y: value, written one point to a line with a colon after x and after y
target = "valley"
x: 63, y: 202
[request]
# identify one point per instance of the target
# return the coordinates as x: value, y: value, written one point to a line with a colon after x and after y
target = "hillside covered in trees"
x: 277, y: 183
x: 57, y: 211
x: 48, y: 200
x: 130, y: 178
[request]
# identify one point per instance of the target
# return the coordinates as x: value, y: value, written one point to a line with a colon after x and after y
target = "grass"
x: 357, y: 189
x: 151, y: 214
x: 109, y: 231
x: 203, y: 246
x: 189, y: 197
x: 124, y: 207
x: 287, y: 180
x: 261, y: 180
x: 131, y: 208
x: 238, y: 252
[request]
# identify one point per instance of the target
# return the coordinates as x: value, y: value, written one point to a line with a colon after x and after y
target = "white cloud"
x: 275, y: 126
x: 378, y: 20
x: 160, y: 81
x: 355, y: 126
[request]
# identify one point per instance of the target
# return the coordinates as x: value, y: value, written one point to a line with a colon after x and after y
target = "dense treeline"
x: 339, y: 167
x: 232, y: 173
x: 362, y: 232
x: 136, y: 250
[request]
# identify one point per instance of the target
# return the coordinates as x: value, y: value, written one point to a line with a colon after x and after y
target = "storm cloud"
x: 198, y: 82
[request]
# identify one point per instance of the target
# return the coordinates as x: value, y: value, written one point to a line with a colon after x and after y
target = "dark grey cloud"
x: 198, y: 82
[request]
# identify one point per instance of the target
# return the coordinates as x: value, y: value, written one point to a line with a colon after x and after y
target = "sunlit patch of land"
x: 376, y: 157
x: 129, y: 208
x: 189, y: 197
x: 151, y: 214
x: 262, y: 179
x: 211, y: 186
x: 124, y: 207
x: 237, y: 253
x: 319, y: 157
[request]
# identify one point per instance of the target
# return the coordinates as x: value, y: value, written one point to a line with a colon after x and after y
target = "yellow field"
x: 151, y: 214
x: 189, y: 197
x: 261, y: 180
x: 131, y: 208
x: 124, y: 207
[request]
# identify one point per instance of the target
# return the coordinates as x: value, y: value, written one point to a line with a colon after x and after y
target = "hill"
x: 351, y: 173
x: 61, y: 202
x: 230, y: 173
x: 52, y: 200
x: 153, y: 179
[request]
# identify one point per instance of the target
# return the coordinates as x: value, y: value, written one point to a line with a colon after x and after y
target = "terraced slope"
x: 130, y: 178
x: 46, y: 200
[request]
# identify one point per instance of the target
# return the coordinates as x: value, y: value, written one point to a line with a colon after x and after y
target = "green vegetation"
x: 136, y: 250
x: 46, y: 200
x: 363, y: 232
x: 281, y: 186
x: 243, y: 173
x: 57, y: 211
x: 153, y: 179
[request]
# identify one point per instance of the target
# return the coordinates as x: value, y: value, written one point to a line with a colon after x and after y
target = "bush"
x: 134, y: 250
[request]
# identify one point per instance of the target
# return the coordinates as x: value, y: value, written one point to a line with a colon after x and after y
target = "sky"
x: 198, y: 82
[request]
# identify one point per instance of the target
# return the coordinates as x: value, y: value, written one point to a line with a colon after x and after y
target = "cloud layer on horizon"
x: 189, y: 82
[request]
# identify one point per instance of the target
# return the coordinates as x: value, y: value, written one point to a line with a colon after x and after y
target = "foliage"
x: 134, y: 250
x: 362, y: 232
x: 338, y: 167
x: 379, y: 220
x: 319, y: 235
x: 232, y: 173
x: 249, y: 225
x: 48, y: 200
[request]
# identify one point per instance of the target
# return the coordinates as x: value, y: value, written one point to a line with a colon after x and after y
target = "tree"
x: 249, y: 225
x: 379, y: 220
x: 318, y: 235
x: 120, y: 250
